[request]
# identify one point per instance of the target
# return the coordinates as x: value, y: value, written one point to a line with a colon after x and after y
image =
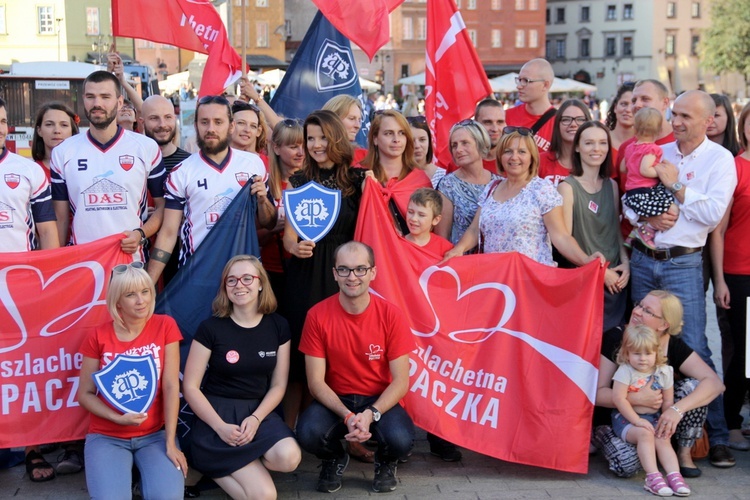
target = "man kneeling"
x: 356, y: 348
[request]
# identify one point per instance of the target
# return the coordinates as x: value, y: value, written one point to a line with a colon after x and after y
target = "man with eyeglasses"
x: 103, y: 176
x: 204, y: 185
x: 535, y: 111
x: 356, y: 348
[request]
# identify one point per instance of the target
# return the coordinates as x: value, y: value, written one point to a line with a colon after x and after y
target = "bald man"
x: 702, y: 177
x: 159, y: 122
x: 535, y: 111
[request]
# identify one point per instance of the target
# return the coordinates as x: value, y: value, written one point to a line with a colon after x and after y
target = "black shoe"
x: 385, y: 477
x: 446, y: 451
x: 690, y: 472
x: 71, y: 463
x: 720, y: 456
x: 331, y: 473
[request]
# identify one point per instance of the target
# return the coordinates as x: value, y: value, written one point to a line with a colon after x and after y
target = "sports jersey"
x: 204, y: 189
x: 25, y: 200
x: 106, y: 184
x: 520, y: 117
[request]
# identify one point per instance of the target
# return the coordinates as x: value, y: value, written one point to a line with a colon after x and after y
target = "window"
x: 261, y: 34
x: 497, y: 39
x: 560, y: 49
x: 422, y: 28
x: 695, y: 10
x: 472, y: 5
x: 627, y: 46
x: 669, y: 46
x: 497, y: 4
x: 533, y: 39
x: 695, y: 40
x: 585, y: 14
x: 671, y: 9
x: 584, y: 48
x: 458, y: 4
x: 46, y: 19
x: 237, y: 33
x: 533, y: 4
x: 3, y: 30
x: 288, y: 28
x: 473, y: 37
x: 611, y: 47
x: 611, y: 12
x: 560, y: 18
x: 92, y: 21
x: 408, y: 28
x: 520, y: 4
x: 548, y: 49
x: 548, y: 17
x: 627, y: 11
x: 520, y: 39
x: 261, y: 3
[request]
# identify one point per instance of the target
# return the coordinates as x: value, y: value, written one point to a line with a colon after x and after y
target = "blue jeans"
x: 320, y: 431
x: 109, y: 464
x: 683, y: 276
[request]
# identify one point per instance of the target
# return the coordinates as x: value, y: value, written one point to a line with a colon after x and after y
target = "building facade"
x: 265, y: 28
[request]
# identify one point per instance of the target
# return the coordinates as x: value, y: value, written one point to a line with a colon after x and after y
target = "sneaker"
x: 331, y: 473
x: 737, y: 440
x: 385, y: 477
x: 446, y: 451
x: 720, y: 456
x: 656, y: 484
x: 678, y: 485
x: 71, y: 463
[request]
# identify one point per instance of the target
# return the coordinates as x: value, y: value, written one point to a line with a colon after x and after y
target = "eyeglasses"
x: 646, y: 310
x: 524, y: 131
x: 568, y: 120
x: 522, y: 82
x: 416, y: 119
x: 245, y: 279
x: 344, y: 272
x: 122, y: 268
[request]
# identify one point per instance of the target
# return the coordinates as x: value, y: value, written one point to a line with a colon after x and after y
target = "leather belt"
x: 663, y: 253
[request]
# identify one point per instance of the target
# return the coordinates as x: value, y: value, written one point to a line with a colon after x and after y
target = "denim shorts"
x: 621, y: 425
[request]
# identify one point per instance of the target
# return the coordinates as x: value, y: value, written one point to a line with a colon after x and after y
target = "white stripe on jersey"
x: 205, y: 190
x: 106, y: 184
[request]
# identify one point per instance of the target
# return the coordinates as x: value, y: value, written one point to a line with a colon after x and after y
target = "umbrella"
x: 505, y: 83
x: 367, y: 84
x: 417, y: 79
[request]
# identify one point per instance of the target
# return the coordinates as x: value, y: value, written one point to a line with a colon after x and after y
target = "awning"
x: 256, y: 61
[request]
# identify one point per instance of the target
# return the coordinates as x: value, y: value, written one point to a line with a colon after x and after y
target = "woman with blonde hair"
x: 349, y: 109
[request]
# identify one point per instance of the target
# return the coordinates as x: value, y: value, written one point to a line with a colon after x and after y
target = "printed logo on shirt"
x: 127, y: 162
x: 242, y: 178
x: 233, y: 357
x: 12, y: 180
x: 104, y: 194
x: 270, y: 354
x: 593, y: 207
x: 690, y: 176
x: 375, y: 353
x: 220, y: 204
x: 6, y: 215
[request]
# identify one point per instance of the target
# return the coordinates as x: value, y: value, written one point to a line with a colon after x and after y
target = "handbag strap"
x: 543, y: 119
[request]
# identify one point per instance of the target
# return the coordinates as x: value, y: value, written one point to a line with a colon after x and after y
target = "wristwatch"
x: 143, y: 236
x: 375, y: 413
x: 676, y: 187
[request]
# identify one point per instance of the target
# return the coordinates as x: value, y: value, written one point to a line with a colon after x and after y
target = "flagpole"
x: 244, y: 41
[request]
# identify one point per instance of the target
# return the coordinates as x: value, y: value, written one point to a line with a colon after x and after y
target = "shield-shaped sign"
x: 126, y: 162
x: 334, y: 67
x: 128, y: 383
x: 242, y: 178
x: 12, y: 180
x: 312, y: 210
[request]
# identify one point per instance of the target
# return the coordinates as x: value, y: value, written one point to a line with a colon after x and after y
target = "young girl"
x: 643, y: 363
x: 644, y: 194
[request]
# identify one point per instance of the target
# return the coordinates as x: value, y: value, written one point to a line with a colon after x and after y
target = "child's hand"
x: 644, y: 424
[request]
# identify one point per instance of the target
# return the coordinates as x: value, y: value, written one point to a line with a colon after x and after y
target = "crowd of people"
x: 648, y: 193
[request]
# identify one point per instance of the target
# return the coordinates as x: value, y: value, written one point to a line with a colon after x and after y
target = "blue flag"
x: 187, y: 298
x: 322, y: 68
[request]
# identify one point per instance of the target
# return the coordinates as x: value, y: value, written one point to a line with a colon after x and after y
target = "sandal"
x: 35, y: 461
x: 678, y: 485
x: 359, y: 452
x: 655, y: 484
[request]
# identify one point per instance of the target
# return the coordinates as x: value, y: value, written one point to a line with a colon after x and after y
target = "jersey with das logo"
x: 204, y: 189
x: 24, y: 201
x: 106, y: 184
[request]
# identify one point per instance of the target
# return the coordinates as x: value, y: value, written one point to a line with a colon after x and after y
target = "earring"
x: 260, y: 289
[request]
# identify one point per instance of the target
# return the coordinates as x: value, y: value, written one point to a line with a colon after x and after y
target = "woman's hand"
x: 667, y: 424
x: 178, y: 459
x: 624, y: 270
x: 134, y: 419
x: 453, y: 252
x: 597, y: 255
x: 303, y: 249
x: 229, y: 433
x: 248, y: 428
x: 247, y: 91
x: 648, y: 397
x: 611, y: 280
x: 721, y: 294
x: 644, y: 424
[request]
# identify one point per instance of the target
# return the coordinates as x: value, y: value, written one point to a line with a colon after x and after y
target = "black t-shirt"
x: 175, y: 159
x: 242, y: 359
x: 677, y: 350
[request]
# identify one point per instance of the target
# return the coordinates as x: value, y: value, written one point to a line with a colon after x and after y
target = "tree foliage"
x: 725, y: 45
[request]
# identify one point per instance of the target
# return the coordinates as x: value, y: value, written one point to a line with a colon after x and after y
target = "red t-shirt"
x: 359, y: 155
x: 102, y: 344
x: 357, y: 347
x: 437, y: 245
x: 520, y: 117
x: 271, y: 252
x: 737, y: 237
x: 551, y: 169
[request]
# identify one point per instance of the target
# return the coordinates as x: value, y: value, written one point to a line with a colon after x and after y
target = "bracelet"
x: 679, y: 412
x: 350, y: 414
x: 160, y: 255
x: 256, y: 418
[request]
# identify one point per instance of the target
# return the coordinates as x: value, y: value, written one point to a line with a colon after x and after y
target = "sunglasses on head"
x: 213, y: 99
x: 291, y: 122
x: 416, y: 119
x: 524, y: 131
x: 122, y: 268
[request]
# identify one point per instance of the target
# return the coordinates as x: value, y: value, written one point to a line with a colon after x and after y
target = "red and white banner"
x: 188, y: 24
x: 348, y: 16
x: 47, y: 301
x: 455, y: 79
x: 508, y: 349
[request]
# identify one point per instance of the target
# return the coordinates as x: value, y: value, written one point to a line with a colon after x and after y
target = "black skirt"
x: 648, y: 202
x: 215, y: 458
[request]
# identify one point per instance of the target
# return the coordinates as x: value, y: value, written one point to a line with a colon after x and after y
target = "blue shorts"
x: 621, y: 425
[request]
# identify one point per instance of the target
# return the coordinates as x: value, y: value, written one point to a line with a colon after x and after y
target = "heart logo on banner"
x: 71, y: 316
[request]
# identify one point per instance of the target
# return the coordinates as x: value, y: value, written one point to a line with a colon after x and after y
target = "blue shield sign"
x: 312, y: 210
x: 128, y: 383
x: 334, y: 67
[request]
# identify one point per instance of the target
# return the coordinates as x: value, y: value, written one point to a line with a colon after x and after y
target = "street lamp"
x: 380, y: 74
x: 99, y: 46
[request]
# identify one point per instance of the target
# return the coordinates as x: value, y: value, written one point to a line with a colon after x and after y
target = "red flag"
x: 507, y: 349
x: 188, y: 24
x: 455, y: 78
x: 348, y: 16
x: 47, y: 301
